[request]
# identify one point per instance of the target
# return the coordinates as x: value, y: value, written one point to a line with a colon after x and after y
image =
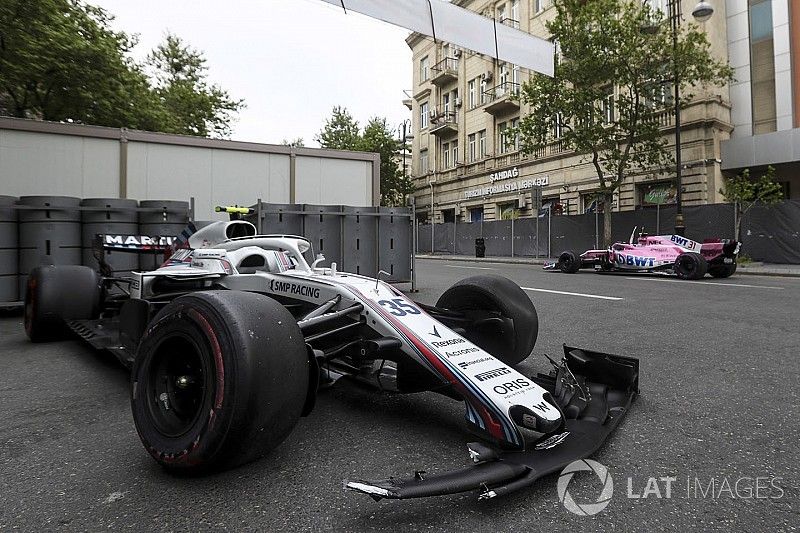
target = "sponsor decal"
x: 633, y: 260
x: 543, y: 407
x: 465, y: 364
x: 137, y: 241
x: 293, y: 288
x: 435, y: 333
x: 461, y: 352
x: 512, y: 386
x: 448, y: 342
x: 491, y: 374
x: 552, y: 442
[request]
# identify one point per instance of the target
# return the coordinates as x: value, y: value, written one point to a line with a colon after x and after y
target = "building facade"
x: 466, y: 168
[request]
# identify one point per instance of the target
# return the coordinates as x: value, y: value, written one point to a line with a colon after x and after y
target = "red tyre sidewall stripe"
x: 217, y: 351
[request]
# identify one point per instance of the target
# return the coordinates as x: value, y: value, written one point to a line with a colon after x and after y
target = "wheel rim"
x: 686, y: 265
x: 179, y: 383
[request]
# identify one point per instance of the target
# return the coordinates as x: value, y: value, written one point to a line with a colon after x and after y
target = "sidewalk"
x: 754, y: 268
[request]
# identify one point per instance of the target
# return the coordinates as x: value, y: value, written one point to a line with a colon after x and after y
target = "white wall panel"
x: 333, y: 181
x: 49, y: 164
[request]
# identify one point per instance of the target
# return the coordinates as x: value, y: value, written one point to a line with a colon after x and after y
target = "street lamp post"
x: 406, y: 138
x: 702, y: 12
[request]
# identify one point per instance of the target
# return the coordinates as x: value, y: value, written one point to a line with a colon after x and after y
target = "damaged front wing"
x: 594, y: 391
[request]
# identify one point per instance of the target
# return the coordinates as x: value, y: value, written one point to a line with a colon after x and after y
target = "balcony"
x: 502, y: 99
x: 445, y: 124
x: 445, y: 71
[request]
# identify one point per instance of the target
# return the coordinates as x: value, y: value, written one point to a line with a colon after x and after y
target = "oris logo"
x: 512, y: 386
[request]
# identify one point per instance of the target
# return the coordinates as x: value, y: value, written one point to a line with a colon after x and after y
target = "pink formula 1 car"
x: 670, y: 254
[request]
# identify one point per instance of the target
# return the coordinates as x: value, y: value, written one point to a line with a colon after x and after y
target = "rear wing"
x: 166, y: 245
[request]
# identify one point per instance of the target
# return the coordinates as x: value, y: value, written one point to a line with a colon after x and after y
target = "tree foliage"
x: 297, y: 142
x: 746, y: 192
x: 342, y: 132
x: 61, y: 61
x: 612, y: 80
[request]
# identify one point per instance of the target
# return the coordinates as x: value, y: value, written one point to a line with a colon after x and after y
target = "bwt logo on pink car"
x: 632, y: 260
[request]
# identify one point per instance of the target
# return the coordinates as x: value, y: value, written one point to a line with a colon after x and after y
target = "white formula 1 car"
x: 230, y: 341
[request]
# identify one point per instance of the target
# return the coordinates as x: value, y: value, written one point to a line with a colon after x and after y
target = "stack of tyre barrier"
x: 49, y: 233
x: 160, y: 218
x: 9, y: 244
x: 109, y: 216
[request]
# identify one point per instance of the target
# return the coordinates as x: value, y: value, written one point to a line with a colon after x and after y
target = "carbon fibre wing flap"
x: 594, y: 390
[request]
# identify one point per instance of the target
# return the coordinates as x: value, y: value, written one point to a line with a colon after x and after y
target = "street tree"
x: 341, y: 131
x: 745, y: 193
x: 192, y: 105
x: 612, y: 80
x: 60, y: 60
x: 297, y: 143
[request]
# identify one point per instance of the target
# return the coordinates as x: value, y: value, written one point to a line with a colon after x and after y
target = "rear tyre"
x: 219, y: 380
x: 497, y: 297
x: 690, y: 266
x: 569, y: 262
x: 55, y: 294
x: 722, y: 271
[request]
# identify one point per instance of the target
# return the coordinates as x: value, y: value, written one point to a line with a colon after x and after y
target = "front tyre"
x: 723, y: 270
x: 220, y: 379
x: 505, y: 322
x: 569, y: 262
x: 690, y: 266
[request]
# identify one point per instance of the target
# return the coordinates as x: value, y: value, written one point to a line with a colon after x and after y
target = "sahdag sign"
x: 506, y: 186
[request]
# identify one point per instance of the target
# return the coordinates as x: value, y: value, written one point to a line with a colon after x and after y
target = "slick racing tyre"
x: 722, y: 271
x: 510, y: 339
x: 569, y: 262
x: 220, y: 379
x: 55, y: 294
x: 690, y: 266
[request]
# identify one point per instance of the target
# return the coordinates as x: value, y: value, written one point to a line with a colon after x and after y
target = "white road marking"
x: 597, y: 296
x: 709, y: 283
x: 471, y: 268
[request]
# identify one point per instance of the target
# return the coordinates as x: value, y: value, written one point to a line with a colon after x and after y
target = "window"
x: 483, y: 90
x: 424, y: 69
x: 557, y: 129
x: 446, y: 103
x: 659, y: 5
x: 472, y: 141
x: 482, y: 144
x: 608, y: 108
x: 448, y: 215
x: 540, y: 5
x: 423, y: 162
x: 445, y: 155
x: 423, y: 115
x: 515, y: 74
x: 471, y: 95
x: 501, y: 13
x: 454, y: 152
x: 476, y: 214
x: 506, y: 141
x: 515, y: 13
x: 762, y: 67
x: 504, y: 74
x: 508, y: 211
x: 502, y: 138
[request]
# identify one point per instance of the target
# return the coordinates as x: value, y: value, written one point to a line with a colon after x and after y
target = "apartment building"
x: 466, y: 167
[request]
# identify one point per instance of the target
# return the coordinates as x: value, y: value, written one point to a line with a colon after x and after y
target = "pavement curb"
x: 757, y: 269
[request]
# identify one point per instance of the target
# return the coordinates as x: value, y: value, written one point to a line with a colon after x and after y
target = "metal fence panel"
x: 324, y: 229
x: 466, y: 233
x: 394, y: 242
x: 497, y: 234
x: 360, y: 243
x: 772, y: 234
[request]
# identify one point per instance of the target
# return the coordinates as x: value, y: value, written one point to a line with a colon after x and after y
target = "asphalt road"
x: 719, y: 404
